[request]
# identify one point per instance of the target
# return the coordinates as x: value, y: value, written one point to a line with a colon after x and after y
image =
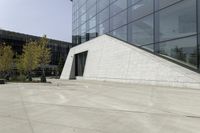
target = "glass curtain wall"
x: 169, y: 28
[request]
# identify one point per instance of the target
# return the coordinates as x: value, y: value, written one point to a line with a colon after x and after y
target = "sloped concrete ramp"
x: 110, y: 59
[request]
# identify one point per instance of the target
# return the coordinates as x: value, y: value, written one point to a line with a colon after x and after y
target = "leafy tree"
x: 29, y: 60
x: 19, y: 64
x: 44, y: 56
x: 6, y: 60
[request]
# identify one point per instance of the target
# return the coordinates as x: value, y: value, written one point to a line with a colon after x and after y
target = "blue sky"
x: 38, y: 17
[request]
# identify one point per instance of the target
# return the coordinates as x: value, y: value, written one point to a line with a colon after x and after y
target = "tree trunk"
x: 43, y: 77
x: 30, y: 77
x: 7, y: 76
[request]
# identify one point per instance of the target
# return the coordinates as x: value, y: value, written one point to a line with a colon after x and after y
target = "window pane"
x: 83, y: 38
x: 142, y: 8
x: 184, y: 50
x: 164, y: 3
x: 83, y: 28
x: 75, y: 15
x: 92, y: 22
x: 81, y: 2
x: 120, y: 33
x: 111, y: 1
x: 104, y: 28
x: 74, y: 25
x: 101, y: 4
x: 82, y: 9
x: 74, y: 37
x: 118, y: 6
x: 92, y: 33
x: 82, y: 19
x: 149, y: 47
x: 90, y: 3
x: 91, y: 12
x: 104, y: 15
x: 131, y: 2
x: 178, y: 20
x: 79, y: 30
x: 141, y: 32
x: 118, y: 20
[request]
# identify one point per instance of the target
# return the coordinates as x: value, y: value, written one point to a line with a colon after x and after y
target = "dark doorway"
x: 80, y: 60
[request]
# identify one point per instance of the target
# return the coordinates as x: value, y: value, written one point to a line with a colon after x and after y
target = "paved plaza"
x: 97, y: 107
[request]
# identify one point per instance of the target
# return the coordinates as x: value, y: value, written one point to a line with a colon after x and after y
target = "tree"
x: 44, y: 56
x: 29, y: 60
x: 6, y: 60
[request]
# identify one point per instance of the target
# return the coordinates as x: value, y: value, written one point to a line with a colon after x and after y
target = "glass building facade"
x: 168, y: 28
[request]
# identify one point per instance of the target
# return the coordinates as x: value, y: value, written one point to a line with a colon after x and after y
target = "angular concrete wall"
x: 110, y: 59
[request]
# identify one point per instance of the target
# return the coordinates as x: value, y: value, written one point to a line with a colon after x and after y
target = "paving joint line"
x: 25, y: 110
x: 118, y: 110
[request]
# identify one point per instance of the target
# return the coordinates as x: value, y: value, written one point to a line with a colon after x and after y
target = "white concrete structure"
x: 110, y: 59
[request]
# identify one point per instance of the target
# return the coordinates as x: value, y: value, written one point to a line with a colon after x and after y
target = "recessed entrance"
x: 78, y: 65
x: 80, y: 60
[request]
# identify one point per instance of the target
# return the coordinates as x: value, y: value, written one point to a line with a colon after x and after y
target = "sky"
x: 38, y: 17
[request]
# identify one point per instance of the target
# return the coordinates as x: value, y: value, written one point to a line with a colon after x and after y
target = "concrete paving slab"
x: 12, y: 109
x: 111, y: 121
x: 98, y: 107
x: 9, y: 93
x: 52, y: 128
x: 12, y: 125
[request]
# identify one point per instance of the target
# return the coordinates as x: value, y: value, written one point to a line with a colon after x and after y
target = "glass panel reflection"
x: 184, y: 50
x: 101, y: 4
x: 117, y: 7
x: 141, y: 32
x: 149, y: 47
x: 120, y: 33
x: 118, y: 20
x: 164, y: 3
x: 140, y: 9
x: 103, y: 28
x: 178, y: 20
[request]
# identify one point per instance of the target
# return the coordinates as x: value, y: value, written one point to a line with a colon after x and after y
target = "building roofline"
x: 11, y: 33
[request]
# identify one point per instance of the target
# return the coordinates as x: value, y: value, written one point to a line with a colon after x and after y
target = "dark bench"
x: 2, y: 81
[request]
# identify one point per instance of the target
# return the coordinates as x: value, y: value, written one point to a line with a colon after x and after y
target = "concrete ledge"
x: 79, y: 78
x: 193, y: 85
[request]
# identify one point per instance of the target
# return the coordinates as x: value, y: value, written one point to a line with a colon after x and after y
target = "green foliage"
x: 20, y: 78
x: 44, y: 51
x: 6, y: 59
x: 19, y: 64
x: 35, y: 54
x: 29, y: 60
x: 44, y: 55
